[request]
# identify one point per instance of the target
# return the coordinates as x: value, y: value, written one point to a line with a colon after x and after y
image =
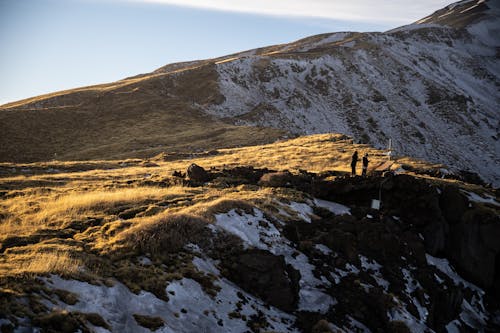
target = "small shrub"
x: 96, y: 320
x: 58, y: 321
x: 167, y: 234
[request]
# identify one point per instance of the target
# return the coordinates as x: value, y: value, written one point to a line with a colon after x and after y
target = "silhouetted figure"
x: 354, y: 161
x: 365, y: 165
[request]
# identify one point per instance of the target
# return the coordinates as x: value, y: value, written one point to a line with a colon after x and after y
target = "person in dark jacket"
x: 354, y: 161
x: 365, y: 165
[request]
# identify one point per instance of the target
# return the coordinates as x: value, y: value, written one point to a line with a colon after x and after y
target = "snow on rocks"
x: 256, y: 231
x: 486, y: 199
x: 400, y: 313
x: 209, y: 314
x: 337, y: 274
x: 333, y: 207
x: 444, y: 266
x: 189, y: 308
x: 410, y: 286
x: 304, y: 210
x: 373, y: 266
x: 473, y: 312
x: 323, y: 249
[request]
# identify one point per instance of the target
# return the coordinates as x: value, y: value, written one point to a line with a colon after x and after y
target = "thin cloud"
x: 381, y: 11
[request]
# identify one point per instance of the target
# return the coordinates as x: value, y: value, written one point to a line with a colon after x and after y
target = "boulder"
x: 197, y: 173
x: 265, y: 275
x: 343, y: 242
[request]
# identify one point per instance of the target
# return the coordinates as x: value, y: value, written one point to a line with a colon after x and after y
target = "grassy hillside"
x: 126, y: 223
x: 47, y: 199
x: 137, y: 117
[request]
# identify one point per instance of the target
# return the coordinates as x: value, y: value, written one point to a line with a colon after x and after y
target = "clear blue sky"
x: 50, y: 45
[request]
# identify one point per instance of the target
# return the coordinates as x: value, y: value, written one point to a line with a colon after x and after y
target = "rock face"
x: 197, y: 173
x: 452, y: 226
x: 474, y: 245
x: 267, y: 276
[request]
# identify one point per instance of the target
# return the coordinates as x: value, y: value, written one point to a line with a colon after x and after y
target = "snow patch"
x: 333, y: 207
x: 206, y: 266
x: 145, y: 261
x: 444, y: 266
x: 303, y: 210
x: 254, y: 230
x: 477, y: 198
x: 189, y: 308
x: 323, y: 249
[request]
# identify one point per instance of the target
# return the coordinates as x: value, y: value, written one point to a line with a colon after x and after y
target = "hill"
x: 431, y: 87
x: 125, y: 246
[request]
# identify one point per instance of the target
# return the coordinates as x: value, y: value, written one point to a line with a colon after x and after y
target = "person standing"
x: 365, y: 165
x: 354, y: 161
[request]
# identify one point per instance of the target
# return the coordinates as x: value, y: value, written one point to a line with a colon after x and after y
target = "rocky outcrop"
x: 473, y: 244
x: 451, y: 226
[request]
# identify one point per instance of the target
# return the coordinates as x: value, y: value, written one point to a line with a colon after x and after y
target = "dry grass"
x: 45, y: 201
x: 41, y: 262
x: 166, y: 234
x: 35, y: 211
x: 54, y: 262
x: 77, y: 204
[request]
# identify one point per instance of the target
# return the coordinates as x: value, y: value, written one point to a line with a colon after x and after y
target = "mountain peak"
x: 461, y: 14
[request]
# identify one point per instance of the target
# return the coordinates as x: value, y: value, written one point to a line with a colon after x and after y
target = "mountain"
x: 432, y: 87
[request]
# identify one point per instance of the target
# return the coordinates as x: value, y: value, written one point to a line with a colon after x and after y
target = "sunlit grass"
x: 45, y: 198
x: 32, y: 212
x: 41, y: 262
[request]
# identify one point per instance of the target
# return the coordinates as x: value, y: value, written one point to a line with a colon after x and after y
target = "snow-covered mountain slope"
x: 430, y: 87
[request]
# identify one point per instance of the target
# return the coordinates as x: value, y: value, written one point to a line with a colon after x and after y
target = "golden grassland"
x: 66, y: 220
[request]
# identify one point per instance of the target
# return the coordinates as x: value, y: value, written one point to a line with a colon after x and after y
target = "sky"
x: 51, y: 45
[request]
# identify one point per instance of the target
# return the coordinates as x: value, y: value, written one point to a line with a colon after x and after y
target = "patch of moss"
x: 60, y: 322
x: 153, y: 323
